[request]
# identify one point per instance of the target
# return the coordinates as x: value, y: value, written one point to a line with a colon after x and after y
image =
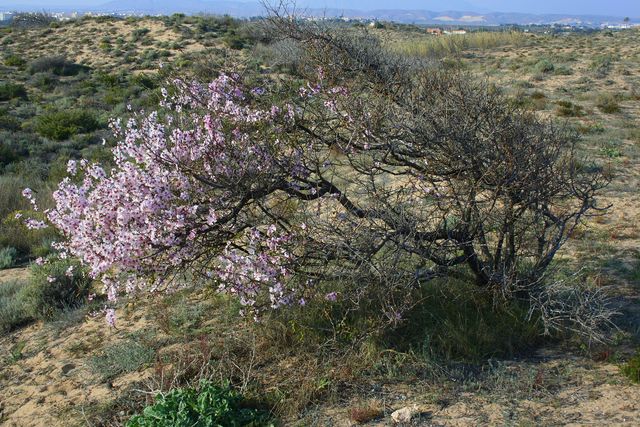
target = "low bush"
x: 13, y: 313
x: 9, y: 123
x: 138, y: 34
x: 209, y: 405
x: 56, y: 286
x: 631, y: 369
x: 14, y: 61
x: 569, y: 109
x: 61, y: 125
x: 544, y: 66
x: 8, y: 257
x: 11, y: 91
x: 58, y: 65
x: 44, y: 81
x: 601, y: 65
x: 608, y: 103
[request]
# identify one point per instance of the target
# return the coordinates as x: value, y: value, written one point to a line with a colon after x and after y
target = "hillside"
x: 70, y: 368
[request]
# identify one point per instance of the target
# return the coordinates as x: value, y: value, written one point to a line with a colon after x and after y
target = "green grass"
x: 454, y: 44
x: 121, y: 358
x: 457, y: 321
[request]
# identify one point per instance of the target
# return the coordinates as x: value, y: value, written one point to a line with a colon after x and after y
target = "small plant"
x: 608, y: 103
x: 601, y: 65
x: 44, y: 81
x: 56, y: 286
x: 631, y: 369
x: 13, y: 313
x: 8, y: 257
x: 14, y: 61
x: 569, y: 109
x: 11, y: 91
x: 209, y: 405
x: 16, y: 352
x: 544, y: 66
x: 611, y: 149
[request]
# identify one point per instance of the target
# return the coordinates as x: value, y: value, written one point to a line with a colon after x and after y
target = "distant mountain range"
x: 252, y: 9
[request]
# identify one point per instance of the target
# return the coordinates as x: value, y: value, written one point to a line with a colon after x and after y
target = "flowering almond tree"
x: 185, y: 197
x: 368, y: 181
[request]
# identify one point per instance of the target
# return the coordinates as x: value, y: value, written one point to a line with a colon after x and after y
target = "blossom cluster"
x: 181, y: 195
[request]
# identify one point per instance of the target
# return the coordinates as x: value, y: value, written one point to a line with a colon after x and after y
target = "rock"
x: 406, y: 414
x: 68, y: 368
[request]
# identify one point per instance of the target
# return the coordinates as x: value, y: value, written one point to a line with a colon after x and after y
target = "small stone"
x: 405, y: 415
x: 68, y: 368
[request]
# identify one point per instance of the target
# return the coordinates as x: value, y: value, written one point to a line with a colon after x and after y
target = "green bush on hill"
x: 61, y: 125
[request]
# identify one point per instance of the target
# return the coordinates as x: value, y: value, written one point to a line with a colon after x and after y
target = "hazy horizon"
x: 582, y: 7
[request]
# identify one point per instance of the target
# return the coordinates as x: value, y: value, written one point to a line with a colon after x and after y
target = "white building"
x: 6, y: 16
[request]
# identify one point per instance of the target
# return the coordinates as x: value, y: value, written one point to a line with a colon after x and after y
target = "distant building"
x: 434, y: 31
x: 6, y: 16
x: 456, y: 32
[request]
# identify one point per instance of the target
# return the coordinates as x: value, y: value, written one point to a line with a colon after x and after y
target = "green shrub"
x: 58, y: 285
x: 61, y: 125
x: 14, y: 61
x: 209, y: 405
x: 144, y: 80
x: 58, y: 65
x: 9, y: 123
x: 44, y: 81
x: 13, y: 311
x: 139, y: 33
x: 601, y: 65
x: 631, y: 369
x: 562, y: 70
x: 544, y: 66
x: 8, y: 257
x: 608, y: 103
x: 569, y: 109
x: 11, y: 90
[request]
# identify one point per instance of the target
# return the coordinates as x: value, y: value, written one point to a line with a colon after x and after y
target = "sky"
x: 598, y: 7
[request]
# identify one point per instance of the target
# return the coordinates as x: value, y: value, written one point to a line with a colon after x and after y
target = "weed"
x: 544, y: 66
x: 208, y: 405
x: 14, y: 61
x: 16, y: 351
x: 631, y: 369
x: 569, y: 109
x: 608, y: 103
